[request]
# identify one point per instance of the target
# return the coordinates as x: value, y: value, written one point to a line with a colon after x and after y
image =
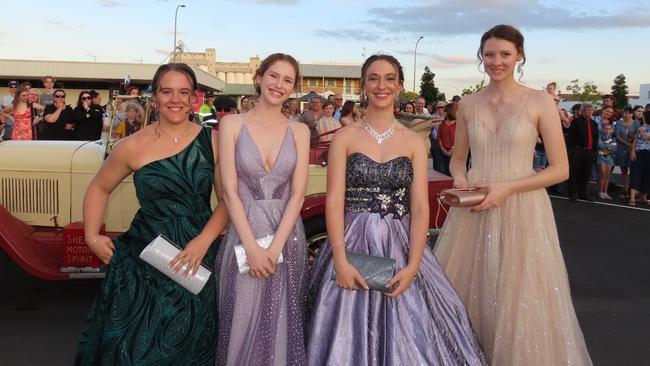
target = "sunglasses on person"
x: 86, y: 97
x: 59, y: 96
x: 440, y: 107
x: 225, y: 110
x: 13, y: 86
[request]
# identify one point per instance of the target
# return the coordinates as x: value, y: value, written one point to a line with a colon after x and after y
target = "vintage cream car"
x: 42, y: 185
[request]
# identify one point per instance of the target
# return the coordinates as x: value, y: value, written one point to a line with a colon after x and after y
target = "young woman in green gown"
x: 140, y: 316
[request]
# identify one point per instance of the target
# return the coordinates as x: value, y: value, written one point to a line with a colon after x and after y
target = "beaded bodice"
x: 378, y: 187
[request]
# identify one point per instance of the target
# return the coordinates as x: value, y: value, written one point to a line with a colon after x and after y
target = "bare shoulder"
x: 348, y: 132
x: 126, y: 148
x: 470, y: 99
x: 539, y: 95
x: 468, y: 102
x: 299, y: 129
x: 414, y: 141
x: 540, y: 101
x: 230, y: 124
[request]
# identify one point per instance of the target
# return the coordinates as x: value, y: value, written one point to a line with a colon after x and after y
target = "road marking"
x: 605, y: 203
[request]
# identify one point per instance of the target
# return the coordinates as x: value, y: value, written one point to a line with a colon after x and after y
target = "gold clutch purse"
x: 463, y: 197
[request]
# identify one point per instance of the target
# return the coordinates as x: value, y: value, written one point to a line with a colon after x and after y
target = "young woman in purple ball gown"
x: 377, y: 205
x: 264, y: 169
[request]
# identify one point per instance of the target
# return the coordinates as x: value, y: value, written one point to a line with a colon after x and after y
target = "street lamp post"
x: 415, y: 61
x: 175, y: 22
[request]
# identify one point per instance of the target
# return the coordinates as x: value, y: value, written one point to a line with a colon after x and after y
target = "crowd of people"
x: 613, y: 138
x: 26, y: 114
x: 598, y: 141
x: 619, y: 138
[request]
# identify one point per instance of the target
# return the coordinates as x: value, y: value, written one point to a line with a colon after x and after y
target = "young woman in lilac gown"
x: 503, y: 256
x: 377, y: 204
x: 264, y: 168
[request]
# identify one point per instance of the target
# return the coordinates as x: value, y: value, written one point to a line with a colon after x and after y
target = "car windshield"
x: 128, y: 115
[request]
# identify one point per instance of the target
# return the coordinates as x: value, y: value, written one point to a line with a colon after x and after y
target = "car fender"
x: 16, y: 242
x: 314, y: 205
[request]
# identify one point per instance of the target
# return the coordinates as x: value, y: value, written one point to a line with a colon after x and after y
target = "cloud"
x: 437, y: 61
x: 475, y: 16
x: 349, y: 34
x: 58, y: 24
x: 275, y: 2
x: 111, y: 3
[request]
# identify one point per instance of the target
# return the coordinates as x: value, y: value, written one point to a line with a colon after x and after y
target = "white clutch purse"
x: 161, y: 251
x: 240, y: 252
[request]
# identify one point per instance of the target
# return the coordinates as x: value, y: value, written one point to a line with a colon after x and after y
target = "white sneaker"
x: 601, y: 195
x: 606, y: 196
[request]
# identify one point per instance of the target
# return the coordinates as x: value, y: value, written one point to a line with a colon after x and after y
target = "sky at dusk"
x: 565, y: 40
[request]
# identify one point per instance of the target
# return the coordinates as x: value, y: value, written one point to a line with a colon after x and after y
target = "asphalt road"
x: 606, y: 249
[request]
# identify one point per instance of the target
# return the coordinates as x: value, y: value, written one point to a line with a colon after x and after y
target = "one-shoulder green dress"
x: 140, y: 317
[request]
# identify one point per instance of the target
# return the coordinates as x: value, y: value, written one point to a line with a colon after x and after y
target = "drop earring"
x: 520, y: 67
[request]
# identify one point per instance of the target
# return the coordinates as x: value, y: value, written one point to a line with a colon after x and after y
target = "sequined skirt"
x: 507, y: 268
x: 426, y: 325
x: 261, y: 320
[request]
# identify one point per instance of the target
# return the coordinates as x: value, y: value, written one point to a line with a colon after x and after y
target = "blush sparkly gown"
x: 261, y: 320
x: 506, y: 263
x: 426, y: 325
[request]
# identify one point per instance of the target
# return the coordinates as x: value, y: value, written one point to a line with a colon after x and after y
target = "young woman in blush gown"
x: 503, y: 255
x: 264, y: 166
x: 377, y: 205
x: 140, y: 316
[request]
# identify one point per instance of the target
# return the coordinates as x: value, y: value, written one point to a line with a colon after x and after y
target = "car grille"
x: 30, y: 195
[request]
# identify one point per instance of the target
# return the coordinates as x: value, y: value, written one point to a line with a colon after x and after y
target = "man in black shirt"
x: 582, y: 144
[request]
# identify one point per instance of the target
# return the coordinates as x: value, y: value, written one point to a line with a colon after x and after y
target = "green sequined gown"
x: 141, y: 317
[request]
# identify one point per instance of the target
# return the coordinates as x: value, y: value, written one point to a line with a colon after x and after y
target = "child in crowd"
x: 605, y: 160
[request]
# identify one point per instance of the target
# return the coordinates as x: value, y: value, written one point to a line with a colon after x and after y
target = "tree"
x: 474, y: 89
x: 408, y: 95
x: 588, y: 92
x: 428, y: 88
x: 619, y: 92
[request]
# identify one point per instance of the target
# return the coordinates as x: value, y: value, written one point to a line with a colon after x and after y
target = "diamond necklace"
x: 379, y: 137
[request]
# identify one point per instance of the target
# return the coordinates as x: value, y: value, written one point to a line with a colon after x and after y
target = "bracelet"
x: 332, y: 245
x: 90, y: 245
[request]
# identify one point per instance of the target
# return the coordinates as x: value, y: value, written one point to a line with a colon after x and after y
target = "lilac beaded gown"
x: 426, y: 325
x: 261, y: 320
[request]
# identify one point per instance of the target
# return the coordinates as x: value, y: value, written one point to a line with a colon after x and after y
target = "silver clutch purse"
x: 240, y: 252
x: 161, y: 251
x: 376, y: 271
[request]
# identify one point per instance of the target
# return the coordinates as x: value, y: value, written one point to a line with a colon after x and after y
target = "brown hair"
x: 21, y: 89
x: 390, y: 59
x: 347, y: 109
x: 133, y: 87
x: 270, y: 61
x: 48, y: 77
x: 507, y: 33
x: 451, y: 112
x: 179, y: 67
